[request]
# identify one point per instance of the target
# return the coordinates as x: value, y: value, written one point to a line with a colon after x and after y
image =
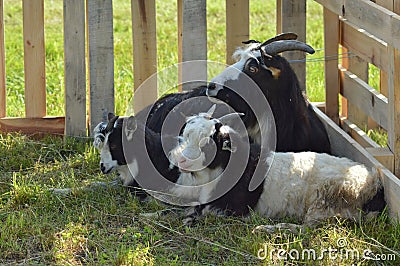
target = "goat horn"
x: 211, y: 111
x: 277, y: 47
x: 250, y: 41
x: 230, y: 116
x: 280, y: 37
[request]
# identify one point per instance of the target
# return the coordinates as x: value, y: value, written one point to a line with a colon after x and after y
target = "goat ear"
x: 211, y: 111
x: 131, y: 123
x: 130, y: 127
x: 110, y: 116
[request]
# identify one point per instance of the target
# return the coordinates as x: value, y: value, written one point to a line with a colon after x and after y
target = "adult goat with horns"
x: 297, y: 126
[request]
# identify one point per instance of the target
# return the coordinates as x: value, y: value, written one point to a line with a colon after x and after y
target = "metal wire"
x: 323, y: 58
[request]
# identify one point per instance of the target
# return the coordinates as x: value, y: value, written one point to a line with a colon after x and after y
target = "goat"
x: 135, y: 151
x: 297, y: 126
x: 308, y: 186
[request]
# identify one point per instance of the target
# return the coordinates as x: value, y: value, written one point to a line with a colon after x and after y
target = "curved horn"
x: 211, y: 111
x: 228, y: 117
x: 277, y: 47
x: 280, y: 37
x: 250, y: 41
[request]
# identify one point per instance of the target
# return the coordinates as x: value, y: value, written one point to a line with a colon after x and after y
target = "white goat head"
x: 199, y: 144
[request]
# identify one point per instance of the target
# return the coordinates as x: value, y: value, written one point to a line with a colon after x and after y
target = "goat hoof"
x: 188, y: 221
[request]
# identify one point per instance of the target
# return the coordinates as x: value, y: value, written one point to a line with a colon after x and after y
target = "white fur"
x: 196, y: 187
x: 126, y: 173
x: 308, y: 186
x: 313, y: 187
x: 106, y: 159
x: 98, y: 136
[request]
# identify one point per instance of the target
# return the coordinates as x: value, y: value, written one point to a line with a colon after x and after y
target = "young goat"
x: 259, y: 67
x: 133, y: 150
x: 308, y: 186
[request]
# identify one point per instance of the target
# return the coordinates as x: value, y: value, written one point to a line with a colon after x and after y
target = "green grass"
x: 104, y: 227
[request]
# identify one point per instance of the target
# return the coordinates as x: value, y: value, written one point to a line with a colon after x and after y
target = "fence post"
x: 3, y: 107
x: 394, y: 100
x: 237, y: 26
x: 74, y: 68
x: 331, y: 42
x: 192, y: 42
x: 293, y: 19
x: 101, y: 59
x: 34, y: 58
x: 144, y: 52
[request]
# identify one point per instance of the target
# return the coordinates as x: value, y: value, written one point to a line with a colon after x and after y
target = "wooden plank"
x: 377, y: 20
x: 33, y: 126
x: 278, y: 16
x: 365, y: 45
x: 364, y: 97
x: 358, y: 67
x: 237, y: 30
x: 192, y: 39
x: 394, y: 106
x: 144, y: 52
x: 3, y: 108
x: 357, y: 134
x: 294, y: 20
x: 343, y: 145
x: 383, y: 155
x: 101, y: 59
x: 331, y: 40
x: 388, y: 4
x: 74, y: 68
x: 34, y: 58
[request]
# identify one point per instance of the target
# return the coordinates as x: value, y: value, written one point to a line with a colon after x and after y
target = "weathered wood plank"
x: 47, y: 125
x: 331, y: 40
x: 192, y: 42
x: 34, y: 58
x: 365, y: 45
x: 3, y: 108
x: 357, y: 134
x: 394, y: 99
x: 278, y: 16
x: 354, y: 151
x: 293, y: 19
x: 379, y: 21
x: 359, y: 67
x: 74, y: 68
x: 383, y: 155
x: 144, y: 52
x: 364, y: 97
x: 237, y: 30
x: 394, y: 106
x: 101, y: 59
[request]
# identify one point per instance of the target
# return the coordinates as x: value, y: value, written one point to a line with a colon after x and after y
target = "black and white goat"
x: 297, y: 126
x: 308, y: 186
x: 126, y: 145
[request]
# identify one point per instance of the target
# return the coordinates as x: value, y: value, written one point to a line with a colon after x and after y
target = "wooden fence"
x: 369, y: 31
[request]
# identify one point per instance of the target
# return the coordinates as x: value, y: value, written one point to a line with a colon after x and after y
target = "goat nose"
x: 102, y: 168
x: 211, y: 86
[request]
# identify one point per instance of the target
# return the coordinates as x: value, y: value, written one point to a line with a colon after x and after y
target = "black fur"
x: 297, y: 126
x: 125, y: 154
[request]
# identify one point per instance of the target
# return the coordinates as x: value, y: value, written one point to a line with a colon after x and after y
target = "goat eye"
x: 253, y: 69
